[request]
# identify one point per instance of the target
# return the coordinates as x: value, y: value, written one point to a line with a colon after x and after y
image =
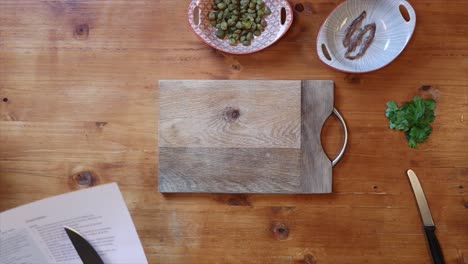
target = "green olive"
x: 220, y: 33
x: 224, y: 25
x: 212, y: 15
x: 221, y: 6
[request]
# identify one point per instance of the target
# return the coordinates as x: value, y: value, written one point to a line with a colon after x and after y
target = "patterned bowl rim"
x: 408, y: 7
x: 287, y: 26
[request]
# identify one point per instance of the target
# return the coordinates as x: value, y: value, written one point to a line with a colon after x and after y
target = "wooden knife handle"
x: 436, y: 251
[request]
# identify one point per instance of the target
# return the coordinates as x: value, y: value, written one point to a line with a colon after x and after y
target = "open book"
x: 34, y: 233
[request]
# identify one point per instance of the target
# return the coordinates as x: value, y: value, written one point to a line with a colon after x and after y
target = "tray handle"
x: 287, y: 14
x: 194, y: 11
x: 324, y: 53
x: 345, y: 143
x: 411, y: 13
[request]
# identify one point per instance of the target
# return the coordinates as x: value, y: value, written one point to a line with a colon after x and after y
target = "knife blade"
x: 84, y: 249
x: 428, y: 222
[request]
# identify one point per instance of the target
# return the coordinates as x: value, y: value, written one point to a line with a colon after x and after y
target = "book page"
x: 34, y: 233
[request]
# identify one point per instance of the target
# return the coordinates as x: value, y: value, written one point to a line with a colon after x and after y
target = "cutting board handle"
x: 345, y: 143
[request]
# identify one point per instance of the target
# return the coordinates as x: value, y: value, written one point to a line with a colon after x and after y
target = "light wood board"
x: 243, y: 136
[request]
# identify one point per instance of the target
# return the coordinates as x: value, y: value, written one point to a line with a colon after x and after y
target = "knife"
x: 84, y: 249
x: 429, y: 227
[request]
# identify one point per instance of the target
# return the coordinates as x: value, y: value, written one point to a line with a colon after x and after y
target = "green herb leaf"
x: 413, y: 118
x: 391, y: 108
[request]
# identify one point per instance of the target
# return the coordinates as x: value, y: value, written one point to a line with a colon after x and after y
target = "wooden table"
x: 78, y: 107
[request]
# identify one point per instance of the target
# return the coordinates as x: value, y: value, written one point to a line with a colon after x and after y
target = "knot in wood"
x: 84, y: 179
x: 101, y: 124
x: 238, y: 200
x: 81, y: 31
x: 309, y: 259
x: 352, y: 78
x: 280, y: 231
x: 236, y: 67
x: 232, y: 199
x: 299, y: 7
x: 425, y: 87
x: 231, y: 114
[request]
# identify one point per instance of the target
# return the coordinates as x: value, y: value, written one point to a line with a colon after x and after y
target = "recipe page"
x: 34, y: 233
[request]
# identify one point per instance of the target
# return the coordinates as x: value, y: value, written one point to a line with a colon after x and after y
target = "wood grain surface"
x: 230, y: 114
x: 243, y: 136
x: 78, y: 93
x: 316, y: 106
x: 229, y: 170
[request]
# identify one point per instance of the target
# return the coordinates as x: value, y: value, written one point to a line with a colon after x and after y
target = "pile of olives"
x: 238, y: 20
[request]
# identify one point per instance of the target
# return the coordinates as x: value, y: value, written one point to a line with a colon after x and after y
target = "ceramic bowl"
x: 276, y: 26
x: 392, y: 33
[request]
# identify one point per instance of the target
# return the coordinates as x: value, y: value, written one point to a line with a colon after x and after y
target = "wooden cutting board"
x: 243, y: 136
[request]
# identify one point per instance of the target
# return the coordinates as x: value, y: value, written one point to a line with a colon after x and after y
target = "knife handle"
x: 436, y: 252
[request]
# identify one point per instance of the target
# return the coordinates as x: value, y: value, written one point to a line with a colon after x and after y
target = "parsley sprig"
x: 413, y: 118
